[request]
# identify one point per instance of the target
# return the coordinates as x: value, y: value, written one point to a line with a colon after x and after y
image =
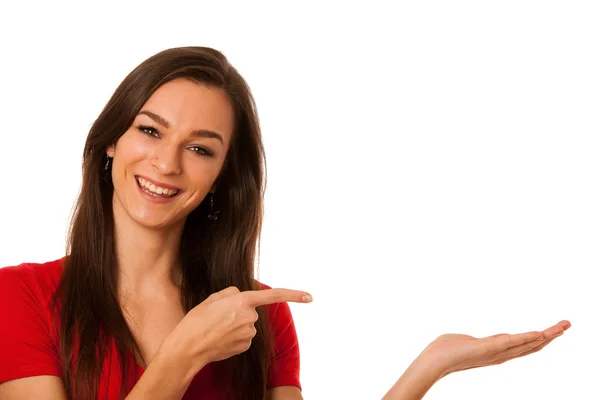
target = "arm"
x: 454, y: 352
x: 168, y: 375
x: 29, y: 361
x: 182, y: 354
x: 412, y: 385
x: 284, y: 393
x: 166, y: 378
x: 415, y: 382
x: 44, y: 387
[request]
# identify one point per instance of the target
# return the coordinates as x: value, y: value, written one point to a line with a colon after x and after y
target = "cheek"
x: 132, y: 147
x: 203, y: 178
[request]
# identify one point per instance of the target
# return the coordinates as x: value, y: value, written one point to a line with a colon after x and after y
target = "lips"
x: 156, y: 188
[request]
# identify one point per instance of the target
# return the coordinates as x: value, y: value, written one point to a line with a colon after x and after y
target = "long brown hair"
x: 214, y: 254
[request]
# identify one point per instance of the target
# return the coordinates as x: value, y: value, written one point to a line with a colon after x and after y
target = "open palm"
x: 456, y: 352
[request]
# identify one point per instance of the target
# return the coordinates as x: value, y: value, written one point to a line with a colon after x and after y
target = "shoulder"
x: 37, y: 279
x: 47, y: 270
x: 28, y: 344
x: 29, y: 286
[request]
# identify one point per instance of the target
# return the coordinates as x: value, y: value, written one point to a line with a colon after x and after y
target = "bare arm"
x: 166, y: 378
x: 451, y: 353
x: 45, y: 387
x: 415, y: 382
x: 206, y: 334
x: 284, y: 393
x: 183, y: 354
x: 168, y: 375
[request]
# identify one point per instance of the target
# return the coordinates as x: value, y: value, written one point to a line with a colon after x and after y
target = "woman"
x: 156, y: 297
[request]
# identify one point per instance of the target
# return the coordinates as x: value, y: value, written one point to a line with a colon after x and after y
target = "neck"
x: 148, y: 258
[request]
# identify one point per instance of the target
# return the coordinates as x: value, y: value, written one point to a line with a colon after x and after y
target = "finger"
x: 559, y: 328
x: 531, y: 347
x: 229, y: 291
x: 541, y: 346
x: 537, y: 348
x: 503, y: 341
x: 518, y: 350
x: 524, y: 350
x: 257, y: 298
x: 246, y: 331
x: 565, y: 323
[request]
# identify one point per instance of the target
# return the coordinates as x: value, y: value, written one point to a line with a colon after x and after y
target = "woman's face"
x: 167, y: 161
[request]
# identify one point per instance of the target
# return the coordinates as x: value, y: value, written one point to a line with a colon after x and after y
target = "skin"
x: 148, y: 234
x: 216, y: 329
x: 175, y: 345
x: 456, y: 352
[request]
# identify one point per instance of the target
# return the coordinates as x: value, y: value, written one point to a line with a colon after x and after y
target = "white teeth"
x: 150, y: 187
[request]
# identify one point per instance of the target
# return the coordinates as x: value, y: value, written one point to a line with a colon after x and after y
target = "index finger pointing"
x: 270, y: 296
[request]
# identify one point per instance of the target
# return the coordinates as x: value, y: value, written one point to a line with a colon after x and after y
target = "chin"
x: 152, y: 220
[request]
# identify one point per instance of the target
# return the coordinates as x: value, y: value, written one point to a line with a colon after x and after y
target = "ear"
x: 110, y: 150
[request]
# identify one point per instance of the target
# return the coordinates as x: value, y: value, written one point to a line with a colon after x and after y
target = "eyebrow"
x: 205, y: 133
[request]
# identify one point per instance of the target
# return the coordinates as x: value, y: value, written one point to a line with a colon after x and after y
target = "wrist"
x: 416, y: 381
x: 177, y: 354
x: 167, y: 376
x: 436, y: 361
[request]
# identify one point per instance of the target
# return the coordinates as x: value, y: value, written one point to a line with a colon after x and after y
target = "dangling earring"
x: 212, y: 215
x: 107, y: 162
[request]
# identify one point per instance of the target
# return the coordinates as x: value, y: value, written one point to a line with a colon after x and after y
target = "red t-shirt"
x: 29, y: 341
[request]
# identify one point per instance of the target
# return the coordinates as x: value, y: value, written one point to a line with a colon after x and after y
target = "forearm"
x: 416, y: 381
x: 167, y: 377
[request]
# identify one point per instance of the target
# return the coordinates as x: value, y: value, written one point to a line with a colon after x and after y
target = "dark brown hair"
x: 214, y: 254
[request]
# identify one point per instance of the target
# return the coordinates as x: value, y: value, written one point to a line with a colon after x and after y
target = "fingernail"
x: 307, y: 298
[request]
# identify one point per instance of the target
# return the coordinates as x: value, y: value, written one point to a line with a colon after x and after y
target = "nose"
x: 167, y: 160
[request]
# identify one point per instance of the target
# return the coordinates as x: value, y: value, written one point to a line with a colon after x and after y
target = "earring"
x: 107, y: 162
x: 212, y: 215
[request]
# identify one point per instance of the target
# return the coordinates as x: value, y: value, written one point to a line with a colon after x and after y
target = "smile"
x: 154, y: 190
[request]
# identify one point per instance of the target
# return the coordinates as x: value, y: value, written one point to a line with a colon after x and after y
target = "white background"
x: 432, y: 167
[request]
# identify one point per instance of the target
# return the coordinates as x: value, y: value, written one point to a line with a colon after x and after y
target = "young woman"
x: 156, y: 297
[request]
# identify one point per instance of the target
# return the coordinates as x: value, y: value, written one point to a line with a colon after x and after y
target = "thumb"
x: 229, y: 291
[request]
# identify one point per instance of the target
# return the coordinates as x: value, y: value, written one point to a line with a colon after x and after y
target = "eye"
x: 201, y: 151
x: 148, y: 130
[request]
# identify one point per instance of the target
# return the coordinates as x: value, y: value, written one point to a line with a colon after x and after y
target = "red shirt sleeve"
x: 285, y: 368
x: 27, y: 344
